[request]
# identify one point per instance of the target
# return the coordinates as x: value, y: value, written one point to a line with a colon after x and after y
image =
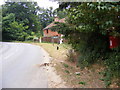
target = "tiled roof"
x: 62, y: 20
x: 52, y: 24
x: 49, y: 26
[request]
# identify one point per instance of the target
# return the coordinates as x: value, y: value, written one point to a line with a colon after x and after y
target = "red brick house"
x: 52, y: 36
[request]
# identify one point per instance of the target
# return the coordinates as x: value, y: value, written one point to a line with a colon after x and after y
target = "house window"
x: 47, y: 31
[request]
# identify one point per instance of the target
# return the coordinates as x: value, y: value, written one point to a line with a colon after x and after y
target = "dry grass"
x: 88, y: 78
x: 53, y: 52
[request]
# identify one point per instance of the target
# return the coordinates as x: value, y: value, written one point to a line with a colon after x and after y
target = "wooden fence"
x: 51, y: 40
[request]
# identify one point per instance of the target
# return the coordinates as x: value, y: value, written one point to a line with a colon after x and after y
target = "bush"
x: 113, y: 63
x: 29, y: 38
x: 92, y: 49
x: 95, y: 47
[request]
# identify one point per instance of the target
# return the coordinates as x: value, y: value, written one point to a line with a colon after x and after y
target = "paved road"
x: 19, y: 66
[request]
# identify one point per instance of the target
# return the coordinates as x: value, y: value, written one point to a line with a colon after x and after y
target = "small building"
x: 52, y: 36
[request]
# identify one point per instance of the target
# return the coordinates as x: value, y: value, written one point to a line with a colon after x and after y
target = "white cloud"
x: 1, y: 2
x: 47, y: 4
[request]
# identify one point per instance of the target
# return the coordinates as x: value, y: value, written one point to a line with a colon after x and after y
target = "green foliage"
x: 61, y: 13
x: 12, y: 29
x: 87, y: 28
x: 67, y: 71
x: 29, y: 38
x: 78, y: 74
x: 19, y: 20
x: 113, y: 63
x: 65, y: 65
x: 83, y: 83
x: 46, y: 16
x: 95, y: 17
x: 92, y: 49
x: 107, y: 77
x: 17, y: 31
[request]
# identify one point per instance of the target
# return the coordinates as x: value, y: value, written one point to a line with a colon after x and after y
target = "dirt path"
x: 54, y: 80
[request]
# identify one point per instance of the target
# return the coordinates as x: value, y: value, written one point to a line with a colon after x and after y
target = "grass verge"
x: 87, y: 78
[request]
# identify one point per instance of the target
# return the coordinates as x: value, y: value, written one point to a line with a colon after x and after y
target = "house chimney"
x: 56, y: 19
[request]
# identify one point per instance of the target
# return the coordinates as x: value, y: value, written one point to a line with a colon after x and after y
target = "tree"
x: 96, y: 17
x: 88, y: 27
x: 25, y: 14
x: 17, y: 31
x: 91, y: 18
x: 6, y: 25
x: 46, y: 16
x: 13, y: 30
x: 61, y: 13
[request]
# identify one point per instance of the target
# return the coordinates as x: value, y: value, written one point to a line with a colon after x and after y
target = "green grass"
x: 66, y: 46
x: 52, y: 50
x: 23, y: 41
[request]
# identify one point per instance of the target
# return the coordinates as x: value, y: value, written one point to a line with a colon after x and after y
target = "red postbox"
x: 114, y: 41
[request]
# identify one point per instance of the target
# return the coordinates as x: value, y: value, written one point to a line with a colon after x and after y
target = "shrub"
x: 113, y: 63
x: 92, y: 49
x: 95, y: 47
x: 29, y: 38
x: 83, y: 83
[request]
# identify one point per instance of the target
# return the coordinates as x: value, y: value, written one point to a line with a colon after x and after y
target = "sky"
x: 41, y: 3
x: 47, y: 4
